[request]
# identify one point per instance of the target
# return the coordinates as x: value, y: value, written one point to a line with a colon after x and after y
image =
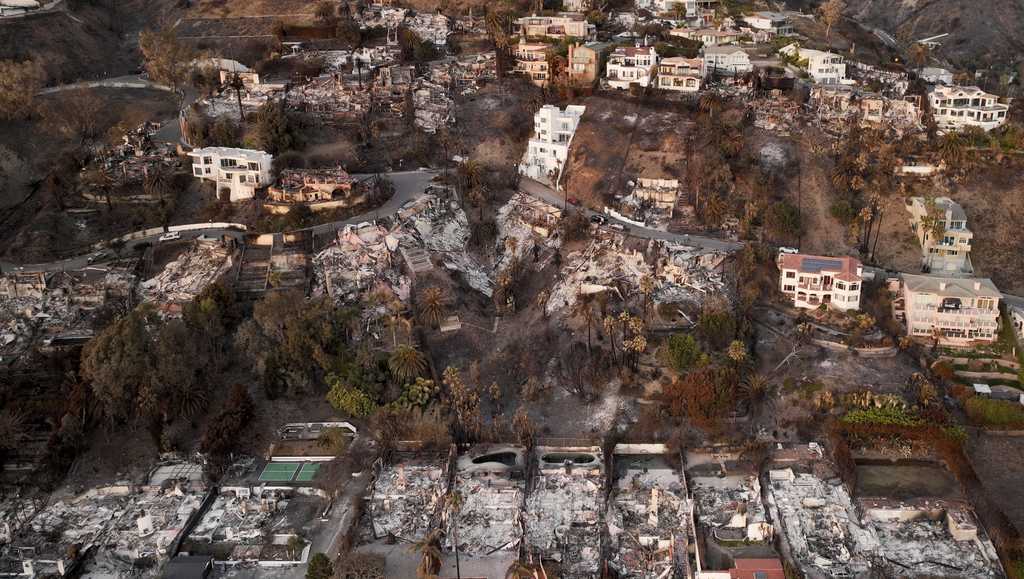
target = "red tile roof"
x: 846, y: 267
x: 746, y: 568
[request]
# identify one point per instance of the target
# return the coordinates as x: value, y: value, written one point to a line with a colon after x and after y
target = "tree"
x: 432, y: 305
x: 237, y: 85
x: 520, y: 570
x: 831, y: 12
x: 276, y: 131
x: 167, y: 59
x: 406, y: 363
x: 919, y: 54
x: 710, y: 104
x: 325, y: 12
x: 716, y: 325
x: 705, y: 396
x: 463, y: 401
x: 19, y: 83
x: 684, y: 352
x: 76, y: 114
x: 953, y: 149
x: 320, y: 567
x: 349, y: 399
x: 737, y: 352
x: 429, y: 548
x: 116, y: 364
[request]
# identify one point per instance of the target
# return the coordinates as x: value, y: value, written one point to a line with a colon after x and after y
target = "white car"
x: 170, y: 236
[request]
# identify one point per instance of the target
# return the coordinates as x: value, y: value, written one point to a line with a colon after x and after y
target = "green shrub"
x: 887, y: 416
x: 995, y: 413
x: 348, y: 399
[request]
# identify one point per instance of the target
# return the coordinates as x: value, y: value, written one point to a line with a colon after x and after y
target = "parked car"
x: 574, y: 201
x: 618, y: 227
x: 598, y: 219
x: 169, y: 236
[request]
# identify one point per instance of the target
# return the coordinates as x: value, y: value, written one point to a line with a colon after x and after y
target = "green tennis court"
x: 307, y: 472
x: 279, y: 471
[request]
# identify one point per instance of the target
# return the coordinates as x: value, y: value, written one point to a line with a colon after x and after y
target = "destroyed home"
x: 940, y: 225
x: 490, y: 480
x: 564, y: 509
x: 362, y: 257
x: 727, y: 498
x: 958, y: 107
x: 649, y: 514
x: 812, y: 281
x: 204, y: 262
x: 838, y: 104
x: 548, y: 147
x: 406, y: 498
x: 562, y: 25
x: 310, y: 185
x: 680, y: 74
x: 629, y: 65
x: 820, y: 524
x: 951, y: 311
x: 237, y: 173
x: 935, y: 75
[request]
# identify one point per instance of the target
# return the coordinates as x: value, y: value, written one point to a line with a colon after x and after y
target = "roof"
x: 951, y: 286
x: 247, y: 154
x: 634, y: 51
x: 770, y: 15
x: 757, y: 569
x: 723, y: 50
x: 846, y: 266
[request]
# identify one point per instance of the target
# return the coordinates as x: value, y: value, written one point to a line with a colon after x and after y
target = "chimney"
x: 977, y: 286
x: 942, y: 285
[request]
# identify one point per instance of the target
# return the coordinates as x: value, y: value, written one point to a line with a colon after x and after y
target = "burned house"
x: 311, y: 185
x: 649, y: 514
x: 406, y: 497
x: 564, y: 509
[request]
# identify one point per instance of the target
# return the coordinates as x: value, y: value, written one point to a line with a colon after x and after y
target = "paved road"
x: 409, y: 185
x: 549, y: 195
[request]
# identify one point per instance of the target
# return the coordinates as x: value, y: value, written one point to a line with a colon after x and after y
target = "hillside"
x: 990, y: 31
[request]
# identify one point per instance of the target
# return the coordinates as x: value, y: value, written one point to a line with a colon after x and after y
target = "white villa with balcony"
x: 959, y: 107
x: 548, y: 148
x: 956, y: 311
x: 631, y: 65
x: 949, y: 252
x: 726, y: 60
x: 822, y: 67
x: 814, y: 280
x: 680, y: 74
x: 238, y: 173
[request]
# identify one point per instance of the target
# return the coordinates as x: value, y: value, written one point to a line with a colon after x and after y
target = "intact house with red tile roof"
x: 813, y: 280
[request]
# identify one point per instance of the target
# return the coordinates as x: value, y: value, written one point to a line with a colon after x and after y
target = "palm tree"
x: 406, y: 362
x: 919, y: 54
x: 953, y: 149
x: 430, y: 555
x: 12, y: 429
x: 432, y: 305
x: 710, y: 104
x: 237, y: 84
x: 520, y: 570
x: 472, y: 175
x: 586, y: 311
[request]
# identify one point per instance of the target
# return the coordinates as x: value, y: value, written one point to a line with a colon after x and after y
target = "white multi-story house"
x: 941, y: 228
x: 549, y: 146
x: 959, y: 107
x: 238, y: 173
x: 822, y: 67
x: 814, y: 280
x: 956, y: 311
x: 631, y: 65
x: 775, y: 22
x: 726, y: 61
x: 693, y: 8
x: 680, y: 74
x: 708, y: 36
x: 566, y: 24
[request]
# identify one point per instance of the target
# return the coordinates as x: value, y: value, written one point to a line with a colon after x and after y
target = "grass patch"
x: 994, y: 413
x: 883, y: 416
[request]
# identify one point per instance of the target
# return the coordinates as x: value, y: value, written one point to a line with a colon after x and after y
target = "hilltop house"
x: 941, y: 228
x: 708, y: 36
x: 562, y: 25
x: 584, y: 62
x: 726, y: 60
x: 532, y: 61
x: 815, y: 280
x: 680, y: 74
x: 959, y: 107
x: 823, y: 67
x: 773, y: 22
x: 631, y: 65
x: 549, y: 146
x: 238, y: 173
x: 955, y: 311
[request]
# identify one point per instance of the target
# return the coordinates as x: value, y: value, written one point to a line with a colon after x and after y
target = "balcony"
x: 815, y: 287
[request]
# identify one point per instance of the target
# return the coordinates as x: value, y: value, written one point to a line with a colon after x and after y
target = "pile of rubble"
x: 443, y: 228
x: 649, y: 516
x: 407, y: 498
x: 820, y: 524
x: 238, y: 517
x: 681, y: 273
x: 362, y: 257
x: 776, y: 113
x: 491, y: 481
x: 430, y: 27
x: 563, y: 512
x: 731, y: 506
x: 184, y: 278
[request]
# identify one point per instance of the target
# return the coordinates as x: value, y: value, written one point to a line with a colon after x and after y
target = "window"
x: 854, y: 287
x: 228, y: 163
x: 840, y: 285
x: 198, y: 170
x: 788, y: 288
x: 254, y: 166
x: 207, y: 160
x: 207, y: 170
x: 790, y: 274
